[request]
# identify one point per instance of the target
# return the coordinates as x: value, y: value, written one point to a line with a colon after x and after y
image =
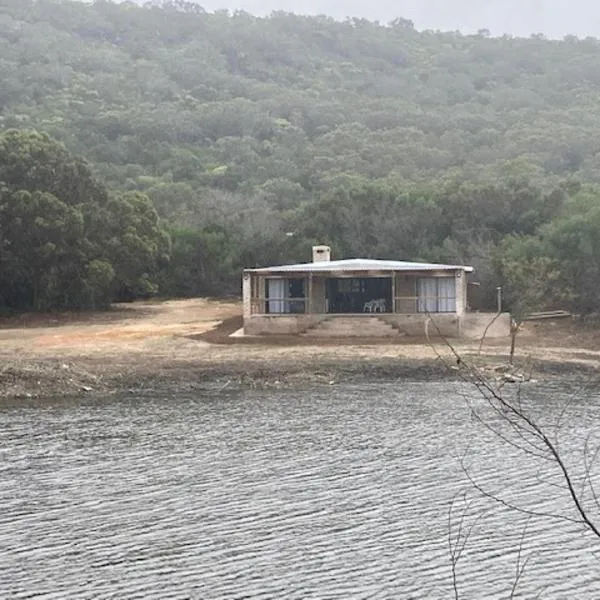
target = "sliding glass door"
x: 436, y: 295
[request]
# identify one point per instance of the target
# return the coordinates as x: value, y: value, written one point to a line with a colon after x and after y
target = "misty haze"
x: 553, y: 18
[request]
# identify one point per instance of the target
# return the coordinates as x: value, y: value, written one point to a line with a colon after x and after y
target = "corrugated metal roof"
x: 359, y: 265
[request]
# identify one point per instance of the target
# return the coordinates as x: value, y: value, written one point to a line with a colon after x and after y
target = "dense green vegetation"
x: 254, y: 138
x: 63, y: 240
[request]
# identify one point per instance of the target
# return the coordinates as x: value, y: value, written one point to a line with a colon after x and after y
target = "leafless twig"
x: 458, y: 536
x: 509, y: 419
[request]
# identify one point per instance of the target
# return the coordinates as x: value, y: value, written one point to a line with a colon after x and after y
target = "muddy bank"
x: 39, y: 379
x: 46, y: 378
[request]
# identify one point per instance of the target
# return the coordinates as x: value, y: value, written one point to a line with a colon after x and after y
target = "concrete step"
x: 352, y: 327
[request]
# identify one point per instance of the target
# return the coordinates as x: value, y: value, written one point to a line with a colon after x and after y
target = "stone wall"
x: 470, y: 325
x: 446, y: 324
x: 280, y: 324
x: 318, y: 303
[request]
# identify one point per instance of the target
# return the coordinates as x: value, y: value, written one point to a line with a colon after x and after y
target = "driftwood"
x: 549, y: 314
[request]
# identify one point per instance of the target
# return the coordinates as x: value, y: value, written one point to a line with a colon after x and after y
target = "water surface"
x: 330, y: 493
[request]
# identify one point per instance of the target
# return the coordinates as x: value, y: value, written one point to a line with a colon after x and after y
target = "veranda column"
x: 461, y: 293
x: 261, y: 308
x: 247, y: 295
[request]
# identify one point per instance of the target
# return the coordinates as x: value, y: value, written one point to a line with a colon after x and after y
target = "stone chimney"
x: 321, y: 253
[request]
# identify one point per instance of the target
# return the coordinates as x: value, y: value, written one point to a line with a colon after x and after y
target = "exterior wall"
x: 473, y: 325
x: 318, y: 303
x: 280, y: 324
x: 405, y: 320
x: 470, y: 325
x: 404, y: 283
x: 406, y: 290
x: 412, y: 325
x: 461, y: 293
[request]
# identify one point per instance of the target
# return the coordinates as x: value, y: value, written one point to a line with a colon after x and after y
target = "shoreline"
x: 184, y: 345
x: 35, y: 379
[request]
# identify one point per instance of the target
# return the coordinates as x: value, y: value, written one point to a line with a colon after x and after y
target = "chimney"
x: 321, y: 253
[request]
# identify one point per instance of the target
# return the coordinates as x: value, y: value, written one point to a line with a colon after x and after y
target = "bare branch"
x: 458, y: 542
x: 514, y: 507
x: 507, y: 418
x: 588, y: 466
x: 514, y: 413
x: 520, y: 567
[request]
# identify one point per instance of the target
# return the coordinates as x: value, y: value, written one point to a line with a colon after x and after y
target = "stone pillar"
x: 461, y: 292
x: 261, y: 295
x: 318, y: 306
x: 247, y: 295
x: 406, y: 291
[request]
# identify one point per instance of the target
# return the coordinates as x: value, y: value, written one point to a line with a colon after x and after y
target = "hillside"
x: 256, y: 137
x: 151, y: 94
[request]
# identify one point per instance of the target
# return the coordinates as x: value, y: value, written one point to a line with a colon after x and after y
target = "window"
x: 285, y: 296
x: 436, y: 294
x: 276, y: 296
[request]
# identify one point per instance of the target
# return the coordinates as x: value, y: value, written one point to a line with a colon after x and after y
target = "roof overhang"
x: 360, y: 267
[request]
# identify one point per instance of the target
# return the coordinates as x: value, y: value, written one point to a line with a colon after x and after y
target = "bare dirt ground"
x: 182, y: 344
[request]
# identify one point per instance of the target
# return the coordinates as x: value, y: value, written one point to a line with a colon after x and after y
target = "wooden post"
x: 393, y: 291
x: 309, y: 296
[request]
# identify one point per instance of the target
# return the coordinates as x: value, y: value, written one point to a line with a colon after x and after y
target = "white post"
x: 247, y: 295
x: 461, y: 293
x: 261, y: 300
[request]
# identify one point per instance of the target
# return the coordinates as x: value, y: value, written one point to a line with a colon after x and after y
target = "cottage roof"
x: 359, y: 265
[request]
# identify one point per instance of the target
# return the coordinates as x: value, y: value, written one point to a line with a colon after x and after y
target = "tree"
x: 64, y: 241
x: 381, y: 140
x: 204, y: 262
x: 43, y: 251
x: 136, y: 246
x: 530, y: 283
x: 573, y: 241
x: 33, y: 161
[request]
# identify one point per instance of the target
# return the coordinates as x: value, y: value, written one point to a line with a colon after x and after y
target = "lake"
x: 331, y: 492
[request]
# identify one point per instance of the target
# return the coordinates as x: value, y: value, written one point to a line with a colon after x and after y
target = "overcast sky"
x: 555, y: 18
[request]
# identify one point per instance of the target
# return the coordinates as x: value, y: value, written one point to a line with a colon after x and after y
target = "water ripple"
x: 326, y: 494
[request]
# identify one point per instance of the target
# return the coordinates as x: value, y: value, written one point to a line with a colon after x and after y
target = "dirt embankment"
x: 185, y: 344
